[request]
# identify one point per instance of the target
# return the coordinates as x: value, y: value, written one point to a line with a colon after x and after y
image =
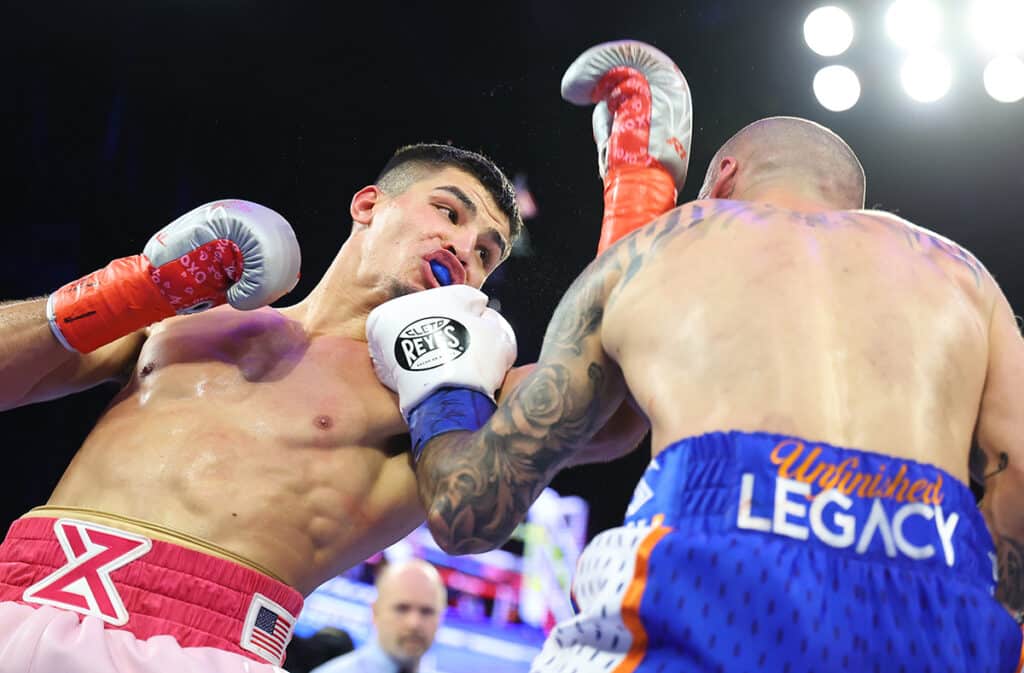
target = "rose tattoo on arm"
x: 477, y: 487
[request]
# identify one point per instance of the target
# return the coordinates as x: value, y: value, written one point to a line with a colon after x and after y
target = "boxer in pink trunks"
x: 101, y: 599
x: 252, y: 453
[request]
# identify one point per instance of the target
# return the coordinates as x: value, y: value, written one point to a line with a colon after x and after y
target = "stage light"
x: 828, y: 31
x: 836, y: 87
x: 913, y: 24
x: 998, y: 25
x: 1004, y: 78
x: 926, y: 76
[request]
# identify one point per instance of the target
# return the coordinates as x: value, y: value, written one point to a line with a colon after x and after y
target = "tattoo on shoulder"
x: 632, y: 251
x: 578, y: 315
x: 920, y: 239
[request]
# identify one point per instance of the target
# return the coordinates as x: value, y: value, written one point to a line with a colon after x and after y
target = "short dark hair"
x: 413, y: 162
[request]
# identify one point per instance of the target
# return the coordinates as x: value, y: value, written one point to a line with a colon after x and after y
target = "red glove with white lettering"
x: 642, y: 127
x: 231, y: 251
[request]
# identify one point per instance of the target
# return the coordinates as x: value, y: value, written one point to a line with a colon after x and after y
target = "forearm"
x: 1004, y: 515
x: 1010, y: 562
x: 476, y: 488
x: 29, y: 353
x: 1010, y: 590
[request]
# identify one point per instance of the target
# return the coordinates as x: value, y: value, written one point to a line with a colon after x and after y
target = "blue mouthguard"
x: 441, y: 273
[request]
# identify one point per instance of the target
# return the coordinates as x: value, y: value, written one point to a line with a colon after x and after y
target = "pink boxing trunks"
x: 80, y: 597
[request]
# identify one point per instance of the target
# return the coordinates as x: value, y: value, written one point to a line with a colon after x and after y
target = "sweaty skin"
x: 855, y: 328
x: 264, y: 436
x: 242, y: 430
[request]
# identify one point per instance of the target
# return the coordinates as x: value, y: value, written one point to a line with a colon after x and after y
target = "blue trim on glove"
x: 446, y: 410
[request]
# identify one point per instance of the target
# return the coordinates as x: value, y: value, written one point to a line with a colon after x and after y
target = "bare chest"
x: 262, y: 373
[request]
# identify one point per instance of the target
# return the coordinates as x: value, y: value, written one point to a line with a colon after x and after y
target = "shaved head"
x: 400, y: 576
x: 411, y: 599
x: 791, y: 153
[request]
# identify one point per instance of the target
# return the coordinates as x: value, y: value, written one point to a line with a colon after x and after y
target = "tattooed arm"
x: 476, y: 487
x: 1000, y: 436
x: 621, y: 435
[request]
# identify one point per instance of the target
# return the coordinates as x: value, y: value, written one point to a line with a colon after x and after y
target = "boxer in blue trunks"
x: 815, y: 376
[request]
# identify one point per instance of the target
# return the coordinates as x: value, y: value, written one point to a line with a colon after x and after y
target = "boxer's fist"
x: 439, y: 338
x: 643, y: 112
x: 232, y: 250
x: 227, y: 251
x: 642, y: 126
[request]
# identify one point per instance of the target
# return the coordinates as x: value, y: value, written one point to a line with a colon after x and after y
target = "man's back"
x: 855, y: 328
x: 815, y: 377
x: 814, y: 382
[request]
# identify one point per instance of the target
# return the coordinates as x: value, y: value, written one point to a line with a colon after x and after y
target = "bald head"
x: 791, y: 154
x: 410, y: 601
x: 411, y: 575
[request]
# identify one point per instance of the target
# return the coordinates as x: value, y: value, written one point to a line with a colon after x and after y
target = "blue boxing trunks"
x: 757, y: 552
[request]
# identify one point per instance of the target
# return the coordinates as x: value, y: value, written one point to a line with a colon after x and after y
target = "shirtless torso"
x: 748, y: 333
x: 264, y: 436
x: 242, y: 430
x: 852, y: 328
x: 757, y: 311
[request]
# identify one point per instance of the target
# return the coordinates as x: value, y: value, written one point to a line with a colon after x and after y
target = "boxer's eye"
x: 452, y: 214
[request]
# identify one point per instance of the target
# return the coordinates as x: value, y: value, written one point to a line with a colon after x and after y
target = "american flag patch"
x: 267, y: 630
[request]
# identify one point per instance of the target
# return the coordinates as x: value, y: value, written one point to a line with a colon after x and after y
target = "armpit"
x: 977, y: 465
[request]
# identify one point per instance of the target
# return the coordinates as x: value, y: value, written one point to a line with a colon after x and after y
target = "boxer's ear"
x: 363, y: 203
x: 725, y: 183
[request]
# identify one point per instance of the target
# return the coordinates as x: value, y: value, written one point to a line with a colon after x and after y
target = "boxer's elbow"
x: 461, y: 535
x: 473, y: 499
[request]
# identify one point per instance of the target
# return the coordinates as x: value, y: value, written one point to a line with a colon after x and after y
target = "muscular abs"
x: 243, y: 431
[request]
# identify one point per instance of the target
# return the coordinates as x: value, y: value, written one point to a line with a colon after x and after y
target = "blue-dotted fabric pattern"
x: 723, y: 594
x: 753, y: 552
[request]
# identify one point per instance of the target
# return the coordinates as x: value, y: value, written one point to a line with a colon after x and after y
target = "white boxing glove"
x: 231, y: 251
x: 444, y: 337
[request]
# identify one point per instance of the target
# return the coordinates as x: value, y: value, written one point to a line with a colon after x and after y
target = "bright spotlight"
x: 836, y: 87
x: 913, y: 24
x: 926, y: 76
x: 998, y: 25
x: 828, y: 31
x: 1004, y: 78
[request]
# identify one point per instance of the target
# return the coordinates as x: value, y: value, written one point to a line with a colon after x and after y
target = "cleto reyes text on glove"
x: 445, y: 353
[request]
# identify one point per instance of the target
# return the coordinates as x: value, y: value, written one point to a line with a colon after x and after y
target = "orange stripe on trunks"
x: 635, y: 593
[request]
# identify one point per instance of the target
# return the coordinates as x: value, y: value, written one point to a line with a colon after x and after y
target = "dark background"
x: 120, y: 116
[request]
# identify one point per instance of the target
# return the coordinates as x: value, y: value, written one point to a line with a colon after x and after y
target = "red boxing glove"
x: 642, y: 127
x: 226, y: 251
